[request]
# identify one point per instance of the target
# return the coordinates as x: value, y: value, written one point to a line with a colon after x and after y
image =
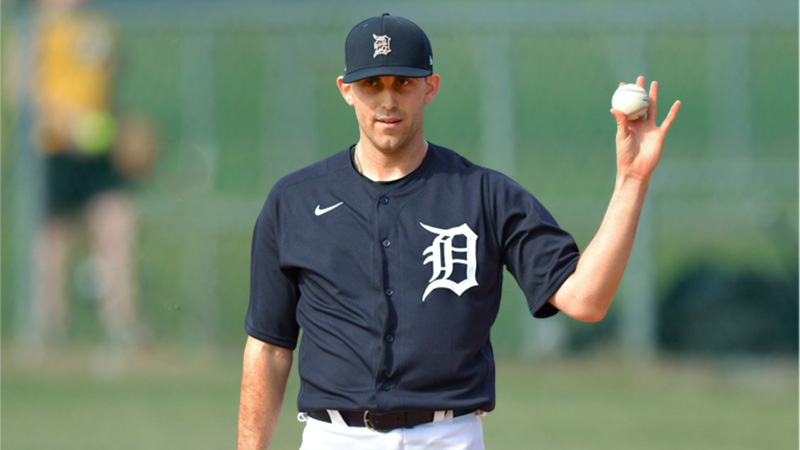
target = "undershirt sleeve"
x: 273, y: 289
x: 536, y: 251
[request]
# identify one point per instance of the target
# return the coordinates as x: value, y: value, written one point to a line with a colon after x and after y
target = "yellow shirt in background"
x: 75, y: 74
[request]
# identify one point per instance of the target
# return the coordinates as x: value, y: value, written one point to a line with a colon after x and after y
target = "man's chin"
x: 389, y: 145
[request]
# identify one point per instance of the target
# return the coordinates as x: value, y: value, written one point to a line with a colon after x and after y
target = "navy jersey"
x: 396, y: 285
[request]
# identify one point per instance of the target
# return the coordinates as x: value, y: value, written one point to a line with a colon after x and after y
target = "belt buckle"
x: 367, y: 423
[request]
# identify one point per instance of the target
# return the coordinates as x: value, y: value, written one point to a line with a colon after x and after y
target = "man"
x: 76, y: 133
x: 389, y: 256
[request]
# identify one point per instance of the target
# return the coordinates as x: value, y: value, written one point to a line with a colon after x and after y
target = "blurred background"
x: 140, y: 139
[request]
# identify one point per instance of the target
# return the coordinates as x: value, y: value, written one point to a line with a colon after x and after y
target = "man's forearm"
x: 265, y: 371
x: 587, y: 293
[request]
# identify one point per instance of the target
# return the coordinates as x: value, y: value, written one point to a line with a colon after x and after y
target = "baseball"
x: 631, y: 100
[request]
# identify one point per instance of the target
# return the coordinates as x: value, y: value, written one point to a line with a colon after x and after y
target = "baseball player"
x: 389, y: 256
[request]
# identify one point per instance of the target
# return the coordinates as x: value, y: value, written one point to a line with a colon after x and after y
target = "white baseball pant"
x: 462, y: 433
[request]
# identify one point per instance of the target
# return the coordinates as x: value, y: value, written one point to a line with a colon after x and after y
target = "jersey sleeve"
x: 536, y: 251
x: 273, y: 289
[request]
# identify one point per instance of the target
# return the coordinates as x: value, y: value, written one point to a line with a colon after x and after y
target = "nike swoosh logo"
x: 320, y: 211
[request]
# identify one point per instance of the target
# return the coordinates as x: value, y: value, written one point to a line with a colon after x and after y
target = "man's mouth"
x: 389, y: 122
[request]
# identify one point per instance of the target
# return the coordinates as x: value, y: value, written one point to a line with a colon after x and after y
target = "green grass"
x: 170, y: 399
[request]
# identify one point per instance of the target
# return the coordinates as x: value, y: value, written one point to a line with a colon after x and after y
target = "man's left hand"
x: 639, y: 142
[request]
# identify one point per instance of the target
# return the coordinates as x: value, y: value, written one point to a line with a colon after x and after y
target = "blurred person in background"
x: 88, y: 158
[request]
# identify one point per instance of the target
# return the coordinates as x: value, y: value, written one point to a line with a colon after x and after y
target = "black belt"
x: 383, y: 422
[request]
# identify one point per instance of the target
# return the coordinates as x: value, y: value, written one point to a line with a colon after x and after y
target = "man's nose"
x: 388, y: 99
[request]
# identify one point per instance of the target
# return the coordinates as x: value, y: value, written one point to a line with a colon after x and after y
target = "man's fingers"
x: 652, y: 106
x: 667, y: 123
x: 622, y: 124
x: 640, y: 81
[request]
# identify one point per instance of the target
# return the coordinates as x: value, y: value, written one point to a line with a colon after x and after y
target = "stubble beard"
x: 395, y: 143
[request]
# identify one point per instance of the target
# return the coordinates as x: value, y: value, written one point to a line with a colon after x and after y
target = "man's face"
x: 389, y: 109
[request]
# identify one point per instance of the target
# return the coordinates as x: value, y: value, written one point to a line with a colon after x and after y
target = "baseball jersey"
x: 396, y: 285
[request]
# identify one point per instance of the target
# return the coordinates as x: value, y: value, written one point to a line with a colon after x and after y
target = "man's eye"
x: 371, y: 83
x: 403, y: 81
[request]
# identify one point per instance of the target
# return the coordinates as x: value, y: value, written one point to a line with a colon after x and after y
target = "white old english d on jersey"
x: 442, y: 256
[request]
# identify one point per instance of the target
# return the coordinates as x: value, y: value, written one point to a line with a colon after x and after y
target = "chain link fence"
x: 244, y: 92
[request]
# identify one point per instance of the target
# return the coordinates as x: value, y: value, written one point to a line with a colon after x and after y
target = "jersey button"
x: 390, y: 338
x: 384, y: 200
x: 386, y: 243
x: 389, y: 292
x: 386, y: 387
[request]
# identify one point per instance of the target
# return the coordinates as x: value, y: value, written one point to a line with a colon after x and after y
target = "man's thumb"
x: 622, y: 123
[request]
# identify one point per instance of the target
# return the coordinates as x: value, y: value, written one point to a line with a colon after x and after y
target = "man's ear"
x: 432, y: 85
x: 345, y: 89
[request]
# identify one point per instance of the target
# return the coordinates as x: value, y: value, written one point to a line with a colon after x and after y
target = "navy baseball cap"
x: 387, y: 45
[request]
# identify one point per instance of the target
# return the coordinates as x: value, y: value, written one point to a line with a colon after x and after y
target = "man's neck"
x: 378, y: 165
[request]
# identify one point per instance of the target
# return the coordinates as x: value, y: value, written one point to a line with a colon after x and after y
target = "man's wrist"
x: 630, y: 182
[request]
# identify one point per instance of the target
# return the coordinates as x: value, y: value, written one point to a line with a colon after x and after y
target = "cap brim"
x: 377, y: 71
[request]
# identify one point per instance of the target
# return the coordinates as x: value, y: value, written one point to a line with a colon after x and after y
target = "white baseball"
x: 631, y: 100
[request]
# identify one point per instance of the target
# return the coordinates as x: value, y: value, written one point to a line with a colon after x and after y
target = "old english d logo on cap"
x: 387, y: 45
x: 381, y: 45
